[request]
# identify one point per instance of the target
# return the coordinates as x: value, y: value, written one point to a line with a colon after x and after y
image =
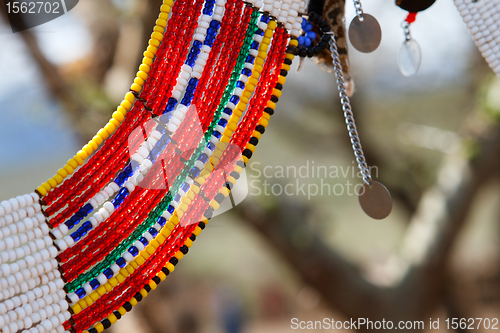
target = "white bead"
x: 218, y: 10
x: 114, y: 186
x: 6, y: 206
x: 199, y: 37
x: 127, y: 256
x: 205, y: 18
x: 204, y: 24
x: 57, y: 233
x: 99, y: 198
x: 176, y: 94
x: 109, y: 207
x: 217, y: 17
x: 171, y: 127
x: 184, y: 68
x: 69, y: 241
x: 201, y: 31
x: 130, y: 187
x: 14, y: 203
x: 98, y: 216
x: 206, y: 48
x: 102, y: 279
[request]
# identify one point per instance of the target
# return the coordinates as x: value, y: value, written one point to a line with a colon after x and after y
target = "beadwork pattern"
x: 481, y: 18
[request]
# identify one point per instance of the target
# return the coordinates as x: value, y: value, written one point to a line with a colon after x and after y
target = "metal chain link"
x: 406, y: 28
x: 348, y: 114
x: 359, y: 9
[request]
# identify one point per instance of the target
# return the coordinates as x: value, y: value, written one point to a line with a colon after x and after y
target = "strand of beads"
x: 481, y: 18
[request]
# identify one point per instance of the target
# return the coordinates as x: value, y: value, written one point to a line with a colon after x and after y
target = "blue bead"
x: 153, y: 232
x: 215, y: 24
x: 311, y: 35
x: 108, y: 273
x: 124, y: 191
x: 144, y: 241
x: 161, y: 129
x: 309, y: 26
x: 304, y: 23
x: 246, y: 72
x: 121, y: 262
x: 186, y: 101
x: 197, y: 44
x: 88, y: 208
x: 80, y: 292
x: 161, y: 221
x: 203, y: 157
x: 211, y: 146
x: 223, y: 122
x: 177, y: 197
x: 255, y: 45
x: 120, y: 179
x: 193, y: 81
x: 94, y: 284
x: 194, y: 172
x: 134, y: 165
x: 307, y: 42
x: 133, y: 250
x: 208, y: 11
x: 190, y: 62
x: 76, y: 235
x: 171, y: 209
x: 185, y: 187
x: 217, y: 134
x: 259, y: 32
x: 228, y: 111
x: 250, y: 59
x: 240, y: 84
x: 87, y: 226
x: 300, y: 40
x: 170, y: 105
x: 234, y: 99
x: 80, y: 214
x: 265, y: 18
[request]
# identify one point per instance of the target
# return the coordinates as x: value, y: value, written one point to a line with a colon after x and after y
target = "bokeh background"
x: 434, y: 139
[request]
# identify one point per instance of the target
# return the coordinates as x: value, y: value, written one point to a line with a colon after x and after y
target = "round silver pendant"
x: 375, y: 200
x: 365, y: 35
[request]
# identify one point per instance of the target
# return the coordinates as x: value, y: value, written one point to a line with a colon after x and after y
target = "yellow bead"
x: 285, y: 67
x: 165, y: 8
x: 68, y: 169
x: 123, y: 271
x: 134, y: 264
x: 143, y: 292
x: 214, y: 204
x: 183, y: 207
x: 197, y: 231
x: 293, y: 42
x: 78, y: 159
x: 268, y: 33
x: 188, y: 242
x: 58, y: 178
x: 41, y: 190
x: 231, y: 179
x: 142, y: 75
x: 154, y: 243
x: 145, y: 255
x: 244, y: 99
x: 129, y: 97
x: 99, y: 327
x: 92, y: 145
x: 248, y: 92
x: 272, y: 25
x: 290, y: 56
x: 160, y: 238
x: 245, y: 160
x: 110, y: 128
x: 281, y: 80
x: 277, y: 92
x: 156, y: 35
x: 120, y: 278
x: 271, y: 104
x: 165, y: 232
x: 139, y: 81
x: 168, y: 2
x: 72, y: 163
x: 101, y: 290
x: 256, y: 74
x: 114, y: 122
x: 103, y: 134
x: 140, y: 260
x: 82, y: 154
x: 82, y: 304
x: 113, y: 281
x: 122, y: 310
x: 108, y: 287
x: 118, y: 116
x: 152, y: 284
x: 250, y: 147
x: 144, y: 68
x: 150, y: 250
x: 175, y: 219
x: 163, y: 16
x: 161, y: 275
x: 154, y: 42
x: 179, y: 255
x: 147, y: 61
x: 148, y: 54
x: 76, y: 308
x: 88, y: 149
x: 135, y: 87
x: 52, y: 182
x: 224, y: 190
x: 94, y: 296
x: 170, y: 267
x: 158, y: 29
x: 161, y: 23
x: 263, y: 122
x: 112, y: 319
x: 232, y: 126
x: 63, y: 173
x: 153, y: 49
x: 256, y: 134
x: 133, y: 301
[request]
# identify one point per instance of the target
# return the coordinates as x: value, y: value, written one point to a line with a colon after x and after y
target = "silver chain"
x: 348, y: 114
x: 359, y: 9
x: 406, y: 28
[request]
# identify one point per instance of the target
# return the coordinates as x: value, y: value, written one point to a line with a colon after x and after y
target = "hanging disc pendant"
x: 409, y: 58
x: 365, y: 35
x: 375, y: 200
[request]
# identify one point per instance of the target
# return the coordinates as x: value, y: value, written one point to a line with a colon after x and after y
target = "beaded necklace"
x: 81, y: 251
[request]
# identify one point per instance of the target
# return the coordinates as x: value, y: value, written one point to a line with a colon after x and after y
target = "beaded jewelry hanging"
x: 81, y: 251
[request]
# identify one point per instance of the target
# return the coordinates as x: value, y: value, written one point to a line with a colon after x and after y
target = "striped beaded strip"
x: 481, y: 18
